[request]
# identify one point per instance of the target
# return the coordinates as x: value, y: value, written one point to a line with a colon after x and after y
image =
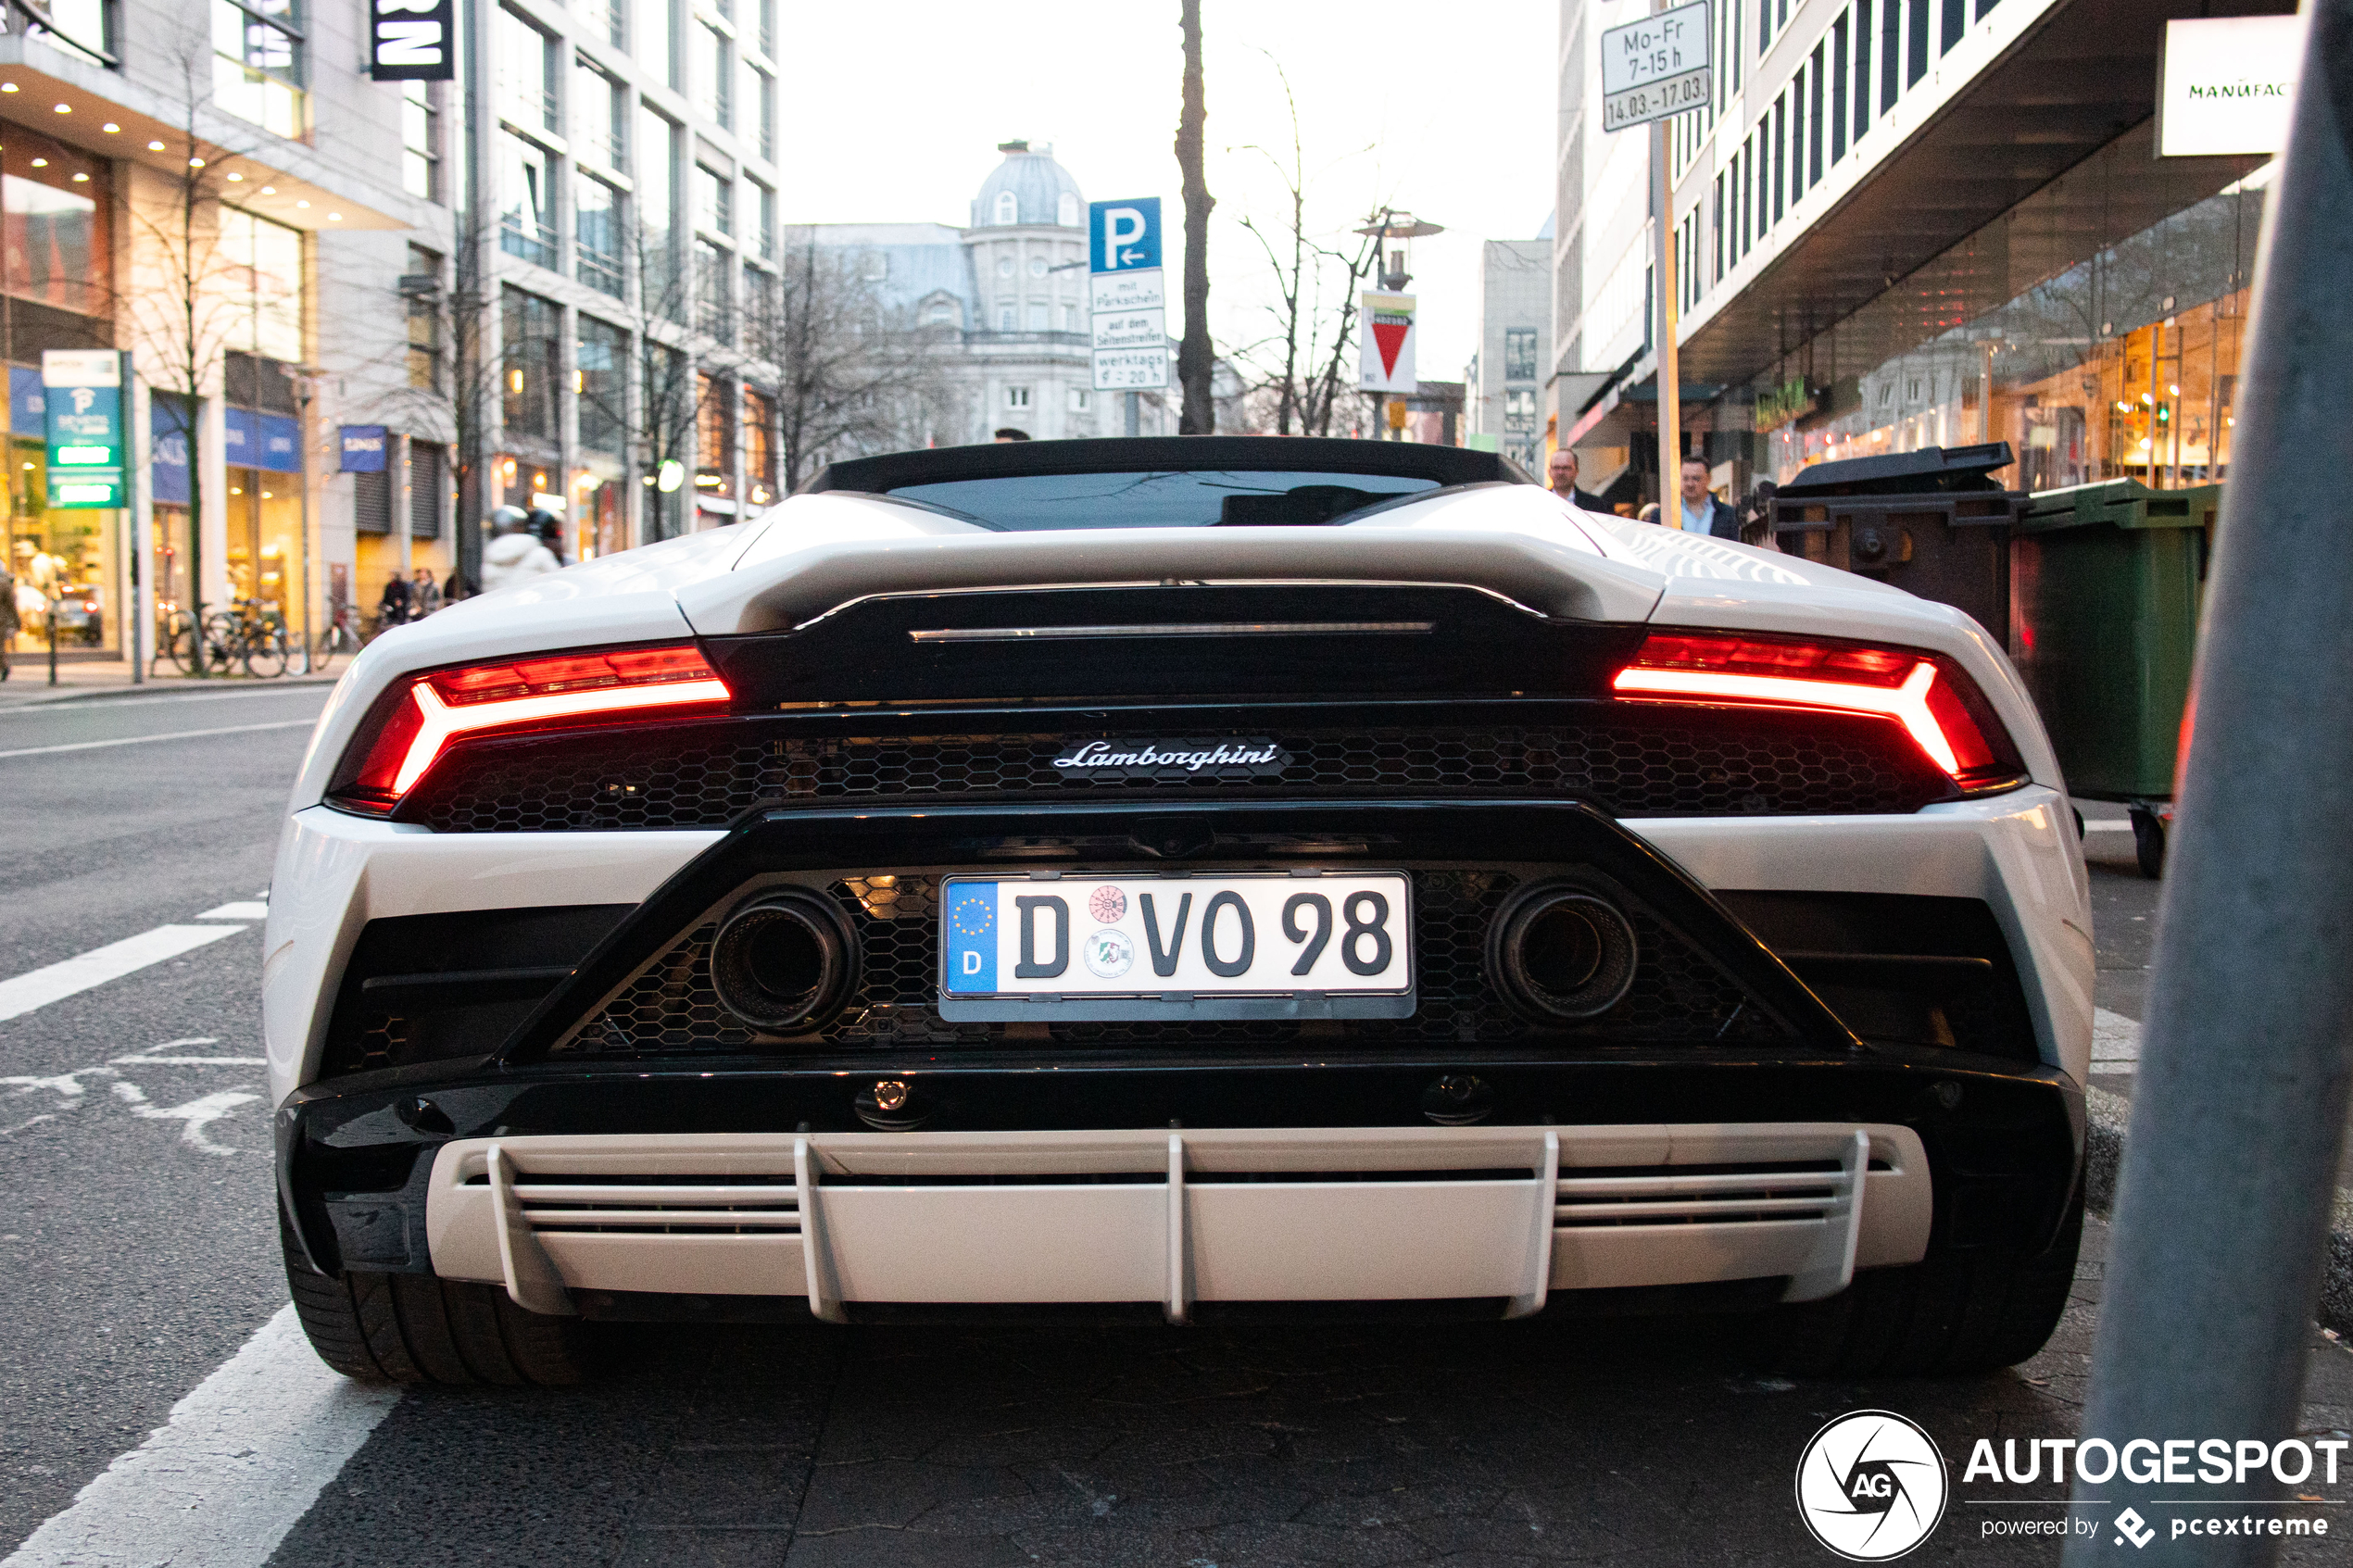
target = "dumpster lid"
x: 2122, y: 503
x: 1929, y: 469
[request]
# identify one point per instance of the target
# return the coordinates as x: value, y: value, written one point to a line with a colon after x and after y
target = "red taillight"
x: 410, y: 727
x: 1936, y: 704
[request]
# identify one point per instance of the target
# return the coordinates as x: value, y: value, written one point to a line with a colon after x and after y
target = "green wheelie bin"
x: 2105, y: 581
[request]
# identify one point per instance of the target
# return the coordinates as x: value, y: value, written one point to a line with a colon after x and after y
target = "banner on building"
x: 2226, y: 85
x: 412, y: 39
x: 363, y: 448
x: 1388, y: 343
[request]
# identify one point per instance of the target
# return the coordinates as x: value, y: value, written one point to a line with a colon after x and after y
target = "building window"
x: 58, y: 205
x: 615, y: 16
x: 600, y: 382
x: 760, y: 447
x: 713, y: 91
x: 714, y: 201
x: 257, y: 63
x: 1017, y: 397
x: 1066, y: 211
x: 598, y: 107
x: 420, y: 141
x: 527, y: 330
x: 1863, y: 65
x: 656, y: 53
x: 767, y: 242
x: 1070, y: 318
x: 78, y: 28
x: 1718, y: 228
x: 269, y: 255
x: 526, y: 201
x: 714, y: 309
x: 1039, y: 322
x: 1008, y: 210
x: 1519, y: 354
x: 596, y: 233
x: 1081, y: 399
x: 942, y: 315
x: 1838, y: 89
x: 1814, y: 121
x: 1915, y: 43
x: 714, y: 438
x: 1005, y: 319
x: 755, y: 92
x: 425, y: 322
x: 526, y: 85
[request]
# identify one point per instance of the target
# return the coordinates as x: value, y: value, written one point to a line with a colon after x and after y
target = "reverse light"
x: 410, y: 727
x: 1937, y: 704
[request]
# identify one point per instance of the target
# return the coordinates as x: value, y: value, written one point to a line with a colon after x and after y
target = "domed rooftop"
x: 1042, y: 190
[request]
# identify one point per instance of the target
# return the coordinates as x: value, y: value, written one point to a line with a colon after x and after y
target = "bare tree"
x: 855, y: 373
x: 1298, y: 368
x: 198, y: 291
x: 1195, y: 360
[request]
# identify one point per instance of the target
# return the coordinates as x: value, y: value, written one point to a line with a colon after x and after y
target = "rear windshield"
x: 1186, y: 498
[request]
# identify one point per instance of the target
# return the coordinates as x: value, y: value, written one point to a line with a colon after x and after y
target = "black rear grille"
x: 1628, y: 762
x: 671, y: 1010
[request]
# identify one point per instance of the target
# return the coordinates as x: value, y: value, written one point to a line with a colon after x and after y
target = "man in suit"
x: 1562, y: 474
x: 1699, y: 512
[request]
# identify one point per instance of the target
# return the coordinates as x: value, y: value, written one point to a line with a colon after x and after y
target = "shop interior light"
x: 555, y: 689
x: 1932, y: 701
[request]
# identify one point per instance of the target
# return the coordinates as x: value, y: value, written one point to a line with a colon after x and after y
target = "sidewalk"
x: 28, y: 683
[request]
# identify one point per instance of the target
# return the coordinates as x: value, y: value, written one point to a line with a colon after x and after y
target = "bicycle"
x: 341, y: 634
x: 249, y: 633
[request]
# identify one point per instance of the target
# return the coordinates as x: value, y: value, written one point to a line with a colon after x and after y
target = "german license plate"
x: 1230, y: 944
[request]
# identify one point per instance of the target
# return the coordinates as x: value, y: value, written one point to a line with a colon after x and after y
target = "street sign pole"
x: 1652, y: 71
x: 2224, y: 1203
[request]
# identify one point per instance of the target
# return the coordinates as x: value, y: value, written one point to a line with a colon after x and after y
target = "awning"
x: 2073, y: 82
x: 76, y: 103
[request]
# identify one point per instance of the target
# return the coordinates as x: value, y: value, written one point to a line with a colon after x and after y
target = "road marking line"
x: 191, y: 1062
x: 40, y: 987
x: 2108, y: 825
x: 242, y: 909
x: 240, y: 1462
x: 2116, y: 1041
x: 141, y: 740
x: 195, y: 1116
x: 107, y: 704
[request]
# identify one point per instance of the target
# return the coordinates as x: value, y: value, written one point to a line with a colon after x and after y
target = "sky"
x: 1444, y: 110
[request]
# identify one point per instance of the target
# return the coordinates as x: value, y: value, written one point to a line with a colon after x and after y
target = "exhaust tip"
x: 785, y: 962
x: 1563, y: 954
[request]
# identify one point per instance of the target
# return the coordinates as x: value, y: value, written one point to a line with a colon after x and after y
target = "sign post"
x: 1385, y: 361
x: 83, y: 389
x: 1652, y: 71
x: 1127, y: 301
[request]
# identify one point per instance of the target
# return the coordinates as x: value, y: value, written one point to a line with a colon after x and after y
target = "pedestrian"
x: 549, y: 530
x: 1649, y: 512
x: 1011, y: 433
x: 7, y: 617
x: 1562, y: 471
x: 515, y: 556
x: 1698, y: 511
x: 1757, y: 522
x: 392, y: 608
x: 424, y: 595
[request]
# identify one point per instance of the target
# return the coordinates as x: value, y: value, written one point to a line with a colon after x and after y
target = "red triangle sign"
x: 1390, y: 337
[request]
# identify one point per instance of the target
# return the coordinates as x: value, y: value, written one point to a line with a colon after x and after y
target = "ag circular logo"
x: 1108, y: 953
x: 1871, y: 1486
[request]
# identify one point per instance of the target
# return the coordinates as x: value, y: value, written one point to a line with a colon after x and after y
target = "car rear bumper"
x: 650, y: 1194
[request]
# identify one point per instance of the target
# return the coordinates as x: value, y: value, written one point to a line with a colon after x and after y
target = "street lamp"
x: 1390, y: 269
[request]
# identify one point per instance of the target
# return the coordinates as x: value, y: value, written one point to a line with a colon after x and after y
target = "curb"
x: 10, y: 701
x: 2106, y: 1117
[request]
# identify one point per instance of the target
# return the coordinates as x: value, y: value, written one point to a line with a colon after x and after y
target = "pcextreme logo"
x: 1871, y: 1486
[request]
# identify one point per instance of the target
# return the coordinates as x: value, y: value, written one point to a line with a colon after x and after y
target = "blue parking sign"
x: 1123, y: 236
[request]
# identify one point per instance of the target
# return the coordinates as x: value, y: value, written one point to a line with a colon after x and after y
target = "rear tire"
x: 1952, y: 1313
x: 418, y: 1328
x: 2149, y: 842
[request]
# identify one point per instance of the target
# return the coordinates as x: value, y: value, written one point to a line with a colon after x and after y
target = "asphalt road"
x: 137, y: 1263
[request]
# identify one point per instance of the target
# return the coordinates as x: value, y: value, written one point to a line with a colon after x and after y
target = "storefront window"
x: 2122, y: 360
x: 55, y: 203
x: 67, y: 561
x: 264, y: 262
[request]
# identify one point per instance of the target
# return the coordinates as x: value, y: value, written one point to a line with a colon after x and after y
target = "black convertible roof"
x: 1157, y: 454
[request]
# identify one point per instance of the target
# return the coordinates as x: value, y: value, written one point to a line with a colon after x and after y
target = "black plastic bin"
x: 1930, y: 523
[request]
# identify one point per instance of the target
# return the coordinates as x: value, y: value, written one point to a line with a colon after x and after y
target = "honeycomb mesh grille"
x: 671, y: 1010
x: 1684, y: 762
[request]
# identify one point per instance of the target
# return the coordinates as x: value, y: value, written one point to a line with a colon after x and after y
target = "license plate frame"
x: 1181, y: 996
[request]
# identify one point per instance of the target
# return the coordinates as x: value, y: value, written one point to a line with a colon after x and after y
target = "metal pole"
x: 2245, y: 1055
x: 53, y: 640
x: 138, y: 475
x: 1135, y: 413
x: 1670, y: 383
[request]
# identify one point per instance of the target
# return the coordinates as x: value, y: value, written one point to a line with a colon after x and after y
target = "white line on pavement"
x: 107, y: 704
x: 2116, y: 1041
x: 42, y: 986
x: 242, y: 909
x: 240, y: 1462
x: 141, y: 740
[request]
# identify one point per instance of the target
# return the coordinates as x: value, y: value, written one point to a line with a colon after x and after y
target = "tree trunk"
x: 1193, y: 357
